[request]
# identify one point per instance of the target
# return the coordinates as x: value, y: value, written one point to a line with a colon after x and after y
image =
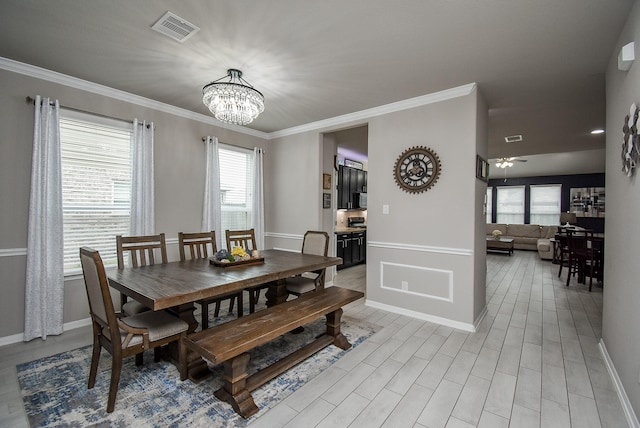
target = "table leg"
x: 197, y: 367
x: 277, y: 293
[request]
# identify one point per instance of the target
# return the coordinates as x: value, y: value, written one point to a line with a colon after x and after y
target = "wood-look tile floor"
x: 534, y: 362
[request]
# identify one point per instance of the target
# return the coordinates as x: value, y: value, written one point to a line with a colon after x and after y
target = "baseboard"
x: 16, y: 338
x: 476, y: 323
x: 422, y: 316
x: 629, y: 413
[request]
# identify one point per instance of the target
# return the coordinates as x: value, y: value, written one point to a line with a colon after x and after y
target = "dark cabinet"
x: 352, y: 248
x: 350, y: 181
x: 343, y: 249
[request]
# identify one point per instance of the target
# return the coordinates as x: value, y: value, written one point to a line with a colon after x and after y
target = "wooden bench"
x: 230, y: 342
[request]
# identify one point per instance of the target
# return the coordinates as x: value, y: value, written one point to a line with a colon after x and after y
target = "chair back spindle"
x: 241, y: 238
x: 141, y: 249
x: 199, y: 244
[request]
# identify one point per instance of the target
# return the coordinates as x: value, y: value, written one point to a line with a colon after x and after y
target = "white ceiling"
x: 539, y: 64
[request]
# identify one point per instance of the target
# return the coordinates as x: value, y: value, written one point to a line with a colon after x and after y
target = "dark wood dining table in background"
x: 175, y: 286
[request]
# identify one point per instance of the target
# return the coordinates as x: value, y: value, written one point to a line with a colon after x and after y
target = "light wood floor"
x: 534, y: 362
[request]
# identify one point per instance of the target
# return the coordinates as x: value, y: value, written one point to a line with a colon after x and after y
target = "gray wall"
x: 179, y: 180
x: 621, y: 314
x: 428, y: 240
x: 442, y: 217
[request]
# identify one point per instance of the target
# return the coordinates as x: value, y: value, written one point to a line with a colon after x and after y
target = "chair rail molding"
x: 10, y: 252
x: 422, y: 248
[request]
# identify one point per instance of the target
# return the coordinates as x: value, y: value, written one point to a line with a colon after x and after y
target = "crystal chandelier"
x: 234, y: 101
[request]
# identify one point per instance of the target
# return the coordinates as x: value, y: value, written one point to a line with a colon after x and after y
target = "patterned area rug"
x: 55, y: 393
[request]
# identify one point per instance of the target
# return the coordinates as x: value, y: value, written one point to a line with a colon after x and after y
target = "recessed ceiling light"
x: 597, y: 131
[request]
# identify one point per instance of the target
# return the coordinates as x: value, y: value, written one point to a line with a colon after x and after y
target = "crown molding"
x: 95, y: 88
x: 362, y: 115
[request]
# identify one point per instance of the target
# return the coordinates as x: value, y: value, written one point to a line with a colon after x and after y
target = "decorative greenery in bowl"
x: 496, y: 234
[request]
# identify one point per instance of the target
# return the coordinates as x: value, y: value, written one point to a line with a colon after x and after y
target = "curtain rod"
x: 32, y: 100
x: 204, y: 139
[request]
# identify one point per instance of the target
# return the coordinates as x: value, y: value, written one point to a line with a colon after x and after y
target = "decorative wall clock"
x: 417, y: 169
x: 631, y: 141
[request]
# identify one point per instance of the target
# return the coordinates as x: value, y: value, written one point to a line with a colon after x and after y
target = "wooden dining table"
x: 175, y: 286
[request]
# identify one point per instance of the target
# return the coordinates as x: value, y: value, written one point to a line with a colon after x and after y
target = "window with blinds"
x: 510, y: 205
x: 236, y: 187
x: 489, y: 204
x: 545, y: 204
x: 96, y: 185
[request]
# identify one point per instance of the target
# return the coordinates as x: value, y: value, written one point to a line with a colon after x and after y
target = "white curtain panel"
x: 44, y: 294
x: 211, y: 205
x: 142, y: 188
x: 257, y: 209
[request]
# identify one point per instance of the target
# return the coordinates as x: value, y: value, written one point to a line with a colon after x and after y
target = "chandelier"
x: 234, y: 101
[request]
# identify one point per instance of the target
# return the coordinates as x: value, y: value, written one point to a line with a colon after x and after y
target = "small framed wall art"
x: 326, y: 200
x: 482, y: 169
x: 326, y: 181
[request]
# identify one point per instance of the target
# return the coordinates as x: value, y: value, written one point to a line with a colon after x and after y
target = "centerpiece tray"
x: 253, y: 261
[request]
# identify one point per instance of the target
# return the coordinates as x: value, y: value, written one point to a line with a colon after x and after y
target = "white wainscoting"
x: 409, y: 276
x: 421, y: 281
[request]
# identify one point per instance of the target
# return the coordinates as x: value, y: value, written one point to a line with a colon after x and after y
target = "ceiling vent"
x: 175, y: 27
x: 513, y: 138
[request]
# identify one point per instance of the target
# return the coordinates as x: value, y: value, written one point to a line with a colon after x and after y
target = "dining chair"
x: 247, y: 240
x: 582, y: 260
x: 241, y: 238
x: 563, y: 248
x: 314, y: 242
x: 141, y: 251
x: 200, y: 245
x: 121, y: 337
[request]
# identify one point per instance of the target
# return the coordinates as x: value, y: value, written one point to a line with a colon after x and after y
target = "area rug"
x: 54, y: 389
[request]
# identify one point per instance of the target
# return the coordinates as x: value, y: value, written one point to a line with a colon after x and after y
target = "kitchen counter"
x: 350, y: 229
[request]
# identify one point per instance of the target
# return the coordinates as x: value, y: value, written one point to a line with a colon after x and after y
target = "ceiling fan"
x: 508, y: 162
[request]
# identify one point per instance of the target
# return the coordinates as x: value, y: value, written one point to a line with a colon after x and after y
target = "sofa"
x: 527, y: 237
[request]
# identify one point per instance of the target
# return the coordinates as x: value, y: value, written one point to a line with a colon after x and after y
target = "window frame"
x: 532, y: 215
x: 118, y: 206
x: 500, y: 189
x: 247, y: 206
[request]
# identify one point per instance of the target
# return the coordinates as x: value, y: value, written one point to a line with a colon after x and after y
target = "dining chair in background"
x: 247, y: 240
x: 317, y: 243
x: 583, y: 260
x: 202, y: 245
x: 563, y: 248
x: 121, y: 337
x: 141, y: 251
x: 241, y: 238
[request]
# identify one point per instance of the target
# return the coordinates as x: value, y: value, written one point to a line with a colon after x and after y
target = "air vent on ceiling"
x: 513, y: 138
x: 175, y: 27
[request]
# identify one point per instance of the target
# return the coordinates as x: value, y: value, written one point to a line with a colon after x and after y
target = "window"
x: 96, y: 185
x: 545, y: 204
x: 236, y: 187
x: 489, y: 204
x: 510, y: 205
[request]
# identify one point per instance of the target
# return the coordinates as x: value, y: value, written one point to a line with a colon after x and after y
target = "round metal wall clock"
x: 417, y: 169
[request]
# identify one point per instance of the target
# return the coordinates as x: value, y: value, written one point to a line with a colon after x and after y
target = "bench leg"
x: 333, y: 329
x: 235, y: 390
